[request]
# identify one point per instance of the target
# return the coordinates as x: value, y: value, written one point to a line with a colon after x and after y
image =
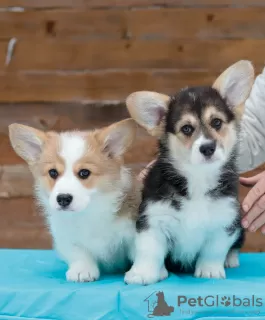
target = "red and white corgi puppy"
x: 89, y: 198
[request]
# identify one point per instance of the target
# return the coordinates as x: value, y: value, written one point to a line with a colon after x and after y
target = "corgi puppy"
x: 88, y: 197
x: 189, y: 218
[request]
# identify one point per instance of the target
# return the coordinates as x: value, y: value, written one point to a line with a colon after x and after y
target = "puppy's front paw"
x: 82, y: 272
x: 210, y: 270
x: 144, y: 276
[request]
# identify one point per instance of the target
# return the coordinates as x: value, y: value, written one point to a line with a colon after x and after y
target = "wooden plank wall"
x: 101, y: 50
x: 74, y: 62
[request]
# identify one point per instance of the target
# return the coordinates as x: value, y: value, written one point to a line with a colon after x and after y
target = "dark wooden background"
x: 74, y: 63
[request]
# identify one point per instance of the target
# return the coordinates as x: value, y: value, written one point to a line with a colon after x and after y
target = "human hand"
x: 254, y: 203
x: 145, y: 171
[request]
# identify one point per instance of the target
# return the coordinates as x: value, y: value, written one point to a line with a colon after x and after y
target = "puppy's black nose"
x: 208, y: 149
x: 64, y: 199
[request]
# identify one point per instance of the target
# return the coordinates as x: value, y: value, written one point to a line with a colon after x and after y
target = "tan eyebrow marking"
x: 187, y: 118
x: 211, y: 113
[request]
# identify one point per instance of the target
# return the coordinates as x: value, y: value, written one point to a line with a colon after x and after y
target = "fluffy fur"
x: 189, y: 218
x: 93, y: 230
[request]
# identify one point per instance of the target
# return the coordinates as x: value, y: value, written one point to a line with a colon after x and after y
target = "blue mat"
x: 33, y: 286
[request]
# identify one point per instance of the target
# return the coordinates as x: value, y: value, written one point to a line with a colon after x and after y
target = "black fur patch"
x: 228, y: 181
x: 238, y: 244
x: 163, y: 183
x: 142, y: 221
x: 195, y: 100
x: 178, y: 267
x: 234, y: 226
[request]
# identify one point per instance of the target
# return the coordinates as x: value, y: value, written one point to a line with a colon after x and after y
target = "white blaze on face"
x: 198, y: 158
x: 72, y: 147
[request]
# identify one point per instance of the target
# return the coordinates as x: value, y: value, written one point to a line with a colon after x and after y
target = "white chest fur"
x: 199, y: 218
x: 103, y: 235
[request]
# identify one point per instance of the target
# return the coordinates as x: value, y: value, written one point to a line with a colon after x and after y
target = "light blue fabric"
x: 33, y: 286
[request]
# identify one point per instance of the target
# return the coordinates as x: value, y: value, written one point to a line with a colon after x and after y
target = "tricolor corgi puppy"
x: 90, y: 200
x: 189, y: 217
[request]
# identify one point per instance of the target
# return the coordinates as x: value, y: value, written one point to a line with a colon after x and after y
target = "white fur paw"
x: 232, y: 259
x: 82, y: 272
x: 210, y: 270
x: 144, y: 276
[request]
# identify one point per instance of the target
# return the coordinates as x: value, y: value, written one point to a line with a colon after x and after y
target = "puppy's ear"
x: 235, y: 84
x: 26, y: 141
x: 118, y: 137
x: 148, y: 109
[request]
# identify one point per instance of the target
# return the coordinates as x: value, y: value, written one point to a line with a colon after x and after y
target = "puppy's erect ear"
x: 118, y: 137
x: 235, y: 84
x: 148, y: 109
x: 26, y: 141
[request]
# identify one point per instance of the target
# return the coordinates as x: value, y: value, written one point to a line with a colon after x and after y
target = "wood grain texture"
x: 95, y: 86
x: 21, y: 225
x: 124, y: 3
x: 197, y: 23
x: 131, y: 54
x: 15, y: 181
x: 173, y: 23
x: 95, y: 55
x: 8, y: 156
x: 60, y: 116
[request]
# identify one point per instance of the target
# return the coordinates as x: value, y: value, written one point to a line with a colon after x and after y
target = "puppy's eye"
x: 53, y: 173
x: 216, y: 123
x: 84, y: 174
x: 187, y: 130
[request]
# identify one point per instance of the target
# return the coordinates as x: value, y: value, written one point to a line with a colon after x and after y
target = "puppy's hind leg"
x: 210, y: 263
x: 163, y: 273
x: 232, y: 259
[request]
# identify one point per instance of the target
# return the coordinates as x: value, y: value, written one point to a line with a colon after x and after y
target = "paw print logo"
x: 225, y: 301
